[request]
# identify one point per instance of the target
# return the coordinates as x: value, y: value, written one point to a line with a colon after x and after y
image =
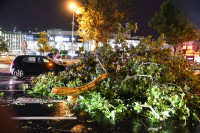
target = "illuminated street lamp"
x: 73, y: 7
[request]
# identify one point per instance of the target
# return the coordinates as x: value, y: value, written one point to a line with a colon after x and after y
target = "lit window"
x: 189, y: 47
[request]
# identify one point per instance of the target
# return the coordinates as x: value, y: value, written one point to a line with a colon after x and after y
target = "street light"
x: 73, y: 7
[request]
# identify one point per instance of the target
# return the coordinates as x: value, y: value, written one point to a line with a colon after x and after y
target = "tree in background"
x: 42, y: 43
x: 101, y: 20
x: 176, y: 28
x: 3, y: 45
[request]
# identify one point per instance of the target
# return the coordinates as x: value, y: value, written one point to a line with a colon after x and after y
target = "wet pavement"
x: 24, y: 113
x: 33, y: 113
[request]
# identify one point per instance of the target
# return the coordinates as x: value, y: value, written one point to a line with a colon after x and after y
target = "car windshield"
x: 52, y: 60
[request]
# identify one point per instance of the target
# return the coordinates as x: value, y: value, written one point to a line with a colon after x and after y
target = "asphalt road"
x: 18, y: 109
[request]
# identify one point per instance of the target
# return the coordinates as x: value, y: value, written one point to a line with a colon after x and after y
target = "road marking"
x: 35, y: 102
x: 12, y: 90
x: 44, y: 118
x: 23, y: 100
x: 11, y: 82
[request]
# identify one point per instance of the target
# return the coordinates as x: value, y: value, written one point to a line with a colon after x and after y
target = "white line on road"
x: 11, y: 82
x: 12, y: 90
x: 23, y: 100
x: 44, y: 118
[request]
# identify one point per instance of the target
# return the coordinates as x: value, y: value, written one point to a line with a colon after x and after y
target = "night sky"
x: 35, y: 15
x: 39, y: 15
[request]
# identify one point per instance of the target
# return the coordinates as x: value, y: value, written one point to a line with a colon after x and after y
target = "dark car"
x: 33, y: 65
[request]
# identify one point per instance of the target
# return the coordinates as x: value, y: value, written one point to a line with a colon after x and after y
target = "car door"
x: 29, y: 65
x: 40, y: 65
x: 45, y: 64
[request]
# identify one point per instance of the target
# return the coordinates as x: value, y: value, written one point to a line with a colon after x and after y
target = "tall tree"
x: 42, y: 43
x: 3, y: 45
x: 176, y: 28
x: 101, y: 20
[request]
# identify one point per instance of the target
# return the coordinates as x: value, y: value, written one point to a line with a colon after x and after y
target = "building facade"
x: 14, y: 39
x: 62, y: 40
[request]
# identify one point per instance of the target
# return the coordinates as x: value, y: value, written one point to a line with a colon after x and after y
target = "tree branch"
x: 156, y: 114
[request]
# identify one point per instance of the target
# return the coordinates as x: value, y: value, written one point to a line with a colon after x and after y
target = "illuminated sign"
x: 29, y: 37
x: 58, y: 38
x: 51, y: 38
x: 62, y: 39
x: 80, y: 40
x: 66, y: 39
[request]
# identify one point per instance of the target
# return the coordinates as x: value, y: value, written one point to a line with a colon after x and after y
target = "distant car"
x: 33, y: 65
x: 63, y: 53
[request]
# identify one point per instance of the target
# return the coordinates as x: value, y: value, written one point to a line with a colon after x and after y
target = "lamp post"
x: 73, y: 7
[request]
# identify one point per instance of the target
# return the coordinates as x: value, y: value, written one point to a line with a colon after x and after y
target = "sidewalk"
x: 5, y: 65
x: 5, y: 61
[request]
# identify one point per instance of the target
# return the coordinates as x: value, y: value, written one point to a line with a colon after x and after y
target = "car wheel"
x: 19, y: 73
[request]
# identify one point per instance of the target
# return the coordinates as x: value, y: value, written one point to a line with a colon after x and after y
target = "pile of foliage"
x: 146, y: 80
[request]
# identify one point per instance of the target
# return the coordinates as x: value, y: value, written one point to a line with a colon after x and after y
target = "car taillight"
x: 12, y: 63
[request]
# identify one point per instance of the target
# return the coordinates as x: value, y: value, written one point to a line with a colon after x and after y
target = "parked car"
x: 33, y: 65
x: 63, y: 53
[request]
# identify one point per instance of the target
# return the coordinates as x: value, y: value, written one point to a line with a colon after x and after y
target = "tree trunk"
x: 96, y: 45
x: 72, y: 91
x: 175, y: 50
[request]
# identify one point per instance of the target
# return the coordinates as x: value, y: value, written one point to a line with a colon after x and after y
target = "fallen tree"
x: 71, y: 91
x: 150, y: 82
